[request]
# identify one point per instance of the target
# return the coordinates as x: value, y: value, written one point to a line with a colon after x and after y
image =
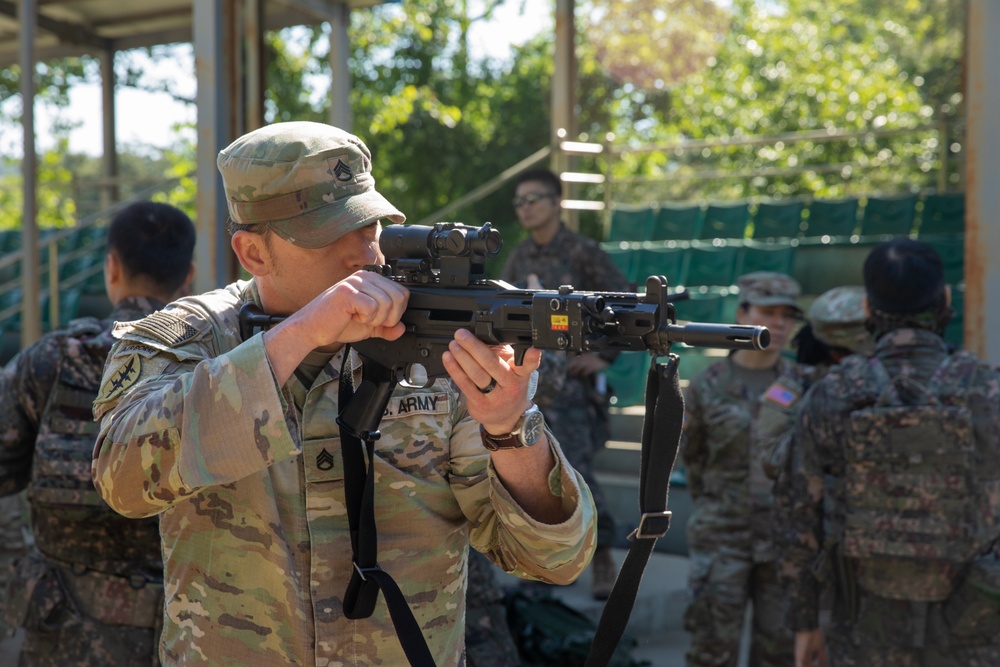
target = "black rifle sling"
x: 360, y: 414
x: 664, y: 417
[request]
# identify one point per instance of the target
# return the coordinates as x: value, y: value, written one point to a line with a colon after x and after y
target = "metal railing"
x: 57, y: 259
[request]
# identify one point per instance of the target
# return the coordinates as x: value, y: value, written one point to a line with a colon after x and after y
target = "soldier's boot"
x: 603, y: 573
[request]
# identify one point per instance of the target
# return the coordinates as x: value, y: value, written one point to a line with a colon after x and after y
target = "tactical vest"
x: 910, y: 494
x: 71, y: 522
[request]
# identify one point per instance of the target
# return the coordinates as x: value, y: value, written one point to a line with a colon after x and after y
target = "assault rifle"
x: 444, y: 268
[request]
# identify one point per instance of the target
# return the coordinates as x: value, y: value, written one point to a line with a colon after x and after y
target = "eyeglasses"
x: 530, y: 198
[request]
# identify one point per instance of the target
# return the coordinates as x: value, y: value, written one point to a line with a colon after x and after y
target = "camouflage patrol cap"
x: 838, y: 319
x: 309, y: 182
x: 767, y: 288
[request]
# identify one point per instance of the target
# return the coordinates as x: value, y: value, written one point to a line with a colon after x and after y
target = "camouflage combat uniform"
x: 90, y: 593
x: 13, y: 545
x: 578, y: 415
x: 729, y: 532
x: 913, y: 625
x: 247, y: 478
x: 837, y: 318
x: 488, y: 638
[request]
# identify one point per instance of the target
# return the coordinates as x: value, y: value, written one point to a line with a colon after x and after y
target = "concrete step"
x: 626, y: 423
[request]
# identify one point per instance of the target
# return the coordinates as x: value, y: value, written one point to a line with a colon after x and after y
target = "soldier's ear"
x: 947, y: 295
x: 112, y: 267
x: 864, y: 304
x: 251, y: 251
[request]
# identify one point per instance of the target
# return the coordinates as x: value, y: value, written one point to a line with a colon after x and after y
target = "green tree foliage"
x: 441, y: 121
x: 798, y: 66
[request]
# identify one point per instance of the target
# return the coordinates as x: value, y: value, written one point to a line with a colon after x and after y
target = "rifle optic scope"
x: 444, y: 239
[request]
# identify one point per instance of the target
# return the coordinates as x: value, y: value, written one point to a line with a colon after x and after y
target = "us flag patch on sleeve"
x: 781, y: 395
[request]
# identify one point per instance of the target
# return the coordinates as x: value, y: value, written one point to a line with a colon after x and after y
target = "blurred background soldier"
x: 895, y: 487
x: 90, y: 592
x: 553, y: 255
x: 835, y: 328
x: 729, y: 532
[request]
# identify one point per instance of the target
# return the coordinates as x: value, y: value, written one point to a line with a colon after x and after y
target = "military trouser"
x: 84, y: 618
x: 488, y: 639
x: 13, y: 543
x: 847, y: 652
x: 721, y: 585
x: 961, y: 631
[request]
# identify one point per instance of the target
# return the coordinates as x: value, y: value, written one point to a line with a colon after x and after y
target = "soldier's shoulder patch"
x: 417, y: 403
x: 166, y: 328
x: 781, y: 395
x: 122, y: 373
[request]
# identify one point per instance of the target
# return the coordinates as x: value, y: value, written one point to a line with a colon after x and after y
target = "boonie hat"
x: 838, y: 319
x: 767, y: 288
x: 309, y: 182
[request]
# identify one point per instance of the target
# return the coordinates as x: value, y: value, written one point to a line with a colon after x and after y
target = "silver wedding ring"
x: 488, y: 388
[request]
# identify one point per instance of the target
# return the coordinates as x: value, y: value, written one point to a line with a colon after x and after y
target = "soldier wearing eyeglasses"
x: 553, y: 255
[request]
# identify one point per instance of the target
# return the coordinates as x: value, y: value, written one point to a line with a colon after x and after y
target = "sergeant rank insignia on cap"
x: 121, y: 377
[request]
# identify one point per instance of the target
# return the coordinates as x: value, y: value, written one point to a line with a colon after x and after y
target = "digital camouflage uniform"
x: 247, y: 478
x: 90, y: 593
x: 927, y: 613
x: 578, y: 414
x: 488, y: 638
x: 13, y: 545
x: 837, y: 318
x: 729, y: 531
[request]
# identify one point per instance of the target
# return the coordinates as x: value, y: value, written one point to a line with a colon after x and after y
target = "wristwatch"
x: 527, y: 431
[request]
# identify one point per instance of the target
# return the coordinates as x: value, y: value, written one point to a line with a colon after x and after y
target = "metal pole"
x: 109, y: 193
x: 942, y: 125
x: 211, y: 58
x: 31, y: 312
x: 340, y: 74
x: 982, y: 196
x: 563, y: 97
x: 253, y: 47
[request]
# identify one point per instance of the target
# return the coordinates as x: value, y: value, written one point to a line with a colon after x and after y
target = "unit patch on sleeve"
x: 120, y: 377
x: 781, y: 395
x: 413, y: 404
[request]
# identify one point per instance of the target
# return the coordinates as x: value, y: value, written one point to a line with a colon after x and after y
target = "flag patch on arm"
x: 781, y: 395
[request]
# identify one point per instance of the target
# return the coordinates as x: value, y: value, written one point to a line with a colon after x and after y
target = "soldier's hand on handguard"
x: 361, y: 306
x: 495, y: 388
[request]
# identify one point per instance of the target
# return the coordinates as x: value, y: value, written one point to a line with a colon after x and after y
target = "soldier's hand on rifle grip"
x: 474, y: 366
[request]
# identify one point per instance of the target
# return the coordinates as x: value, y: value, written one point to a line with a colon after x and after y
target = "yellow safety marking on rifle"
x: 559, y: 322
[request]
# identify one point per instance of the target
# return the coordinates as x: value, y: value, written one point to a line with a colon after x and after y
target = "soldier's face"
x: 536, y: 205
x: 780, y: 321
x: 298, y: 275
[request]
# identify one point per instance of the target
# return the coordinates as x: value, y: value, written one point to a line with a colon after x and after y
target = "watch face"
x: 534, y: 426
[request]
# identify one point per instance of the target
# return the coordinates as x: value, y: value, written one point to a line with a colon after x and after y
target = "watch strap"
x: 497, y: 442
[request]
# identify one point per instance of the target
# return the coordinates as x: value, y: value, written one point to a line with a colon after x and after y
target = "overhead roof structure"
x: 78, y: 27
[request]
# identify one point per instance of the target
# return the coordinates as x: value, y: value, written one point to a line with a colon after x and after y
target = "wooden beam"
x: 65, y: 31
